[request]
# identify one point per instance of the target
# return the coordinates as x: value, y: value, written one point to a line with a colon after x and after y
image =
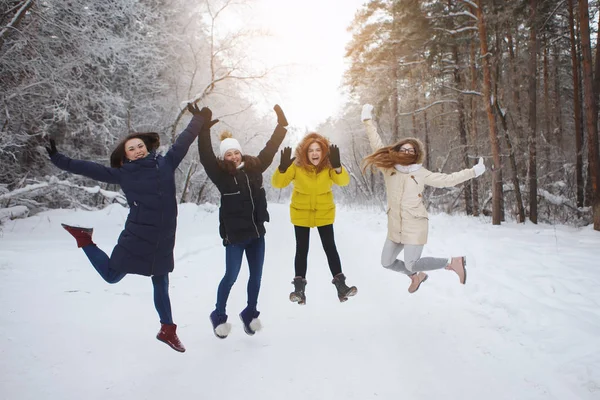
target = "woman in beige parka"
x: 408, y: 223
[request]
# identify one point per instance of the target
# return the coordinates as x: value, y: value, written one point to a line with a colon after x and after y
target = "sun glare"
x: 308, y: 43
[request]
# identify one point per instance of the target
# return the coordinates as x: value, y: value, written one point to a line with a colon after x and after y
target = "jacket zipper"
x: 161, y: 223
x: 252, y: 200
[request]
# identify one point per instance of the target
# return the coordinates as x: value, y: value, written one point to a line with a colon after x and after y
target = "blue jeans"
x: 255, y: 254
x: 101, y: 263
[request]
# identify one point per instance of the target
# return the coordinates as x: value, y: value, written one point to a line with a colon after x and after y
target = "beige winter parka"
x: 408, y: 221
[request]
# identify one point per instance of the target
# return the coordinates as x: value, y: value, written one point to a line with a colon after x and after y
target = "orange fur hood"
x: 301, y: 152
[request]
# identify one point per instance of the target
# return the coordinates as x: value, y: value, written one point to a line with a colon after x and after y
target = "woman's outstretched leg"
x: 233, y: 263
x: 335, y: 265
x: 300, y: 264
x: 97, y: 257
x: 162, y: 302
x: 255, y: 254
x: 101, y: 263
x: 412, y: 253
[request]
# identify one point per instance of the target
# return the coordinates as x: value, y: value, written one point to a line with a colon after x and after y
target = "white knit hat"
x: 228, y: 143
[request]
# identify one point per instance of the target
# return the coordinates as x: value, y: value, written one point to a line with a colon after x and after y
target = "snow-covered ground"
x: 526, y: 325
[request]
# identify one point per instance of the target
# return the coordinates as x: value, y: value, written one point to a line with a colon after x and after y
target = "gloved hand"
x: 286, y: 159
x: 366, y: 113
x: 281, y: 120
x: 479, y: 168
x: 334, y: 156
x: 52, y: 149
x: 205, y: 113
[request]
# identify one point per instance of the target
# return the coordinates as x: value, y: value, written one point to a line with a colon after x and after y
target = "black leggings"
x: 328, y: 241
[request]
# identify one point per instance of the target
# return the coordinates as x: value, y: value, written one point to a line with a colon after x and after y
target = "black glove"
x: 281, y: 120
x: 205, y: 113
x: 334, y: 156
x: 286, y: 159
x: 52, y: 149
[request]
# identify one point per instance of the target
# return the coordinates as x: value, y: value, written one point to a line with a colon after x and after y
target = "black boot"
x: 342, y: 289
x: 298, y: 294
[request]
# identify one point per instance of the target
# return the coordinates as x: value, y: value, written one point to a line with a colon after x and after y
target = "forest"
x: 515, y: 82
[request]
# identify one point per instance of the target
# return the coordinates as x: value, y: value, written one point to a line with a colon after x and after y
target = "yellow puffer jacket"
x: 312, y: 199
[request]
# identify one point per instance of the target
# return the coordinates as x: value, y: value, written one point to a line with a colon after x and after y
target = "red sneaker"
x: 82, y: 235
x: 167, y: 335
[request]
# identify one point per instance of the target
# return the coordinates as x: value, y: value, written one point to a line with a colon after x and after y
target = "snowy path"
x: 526, y: 325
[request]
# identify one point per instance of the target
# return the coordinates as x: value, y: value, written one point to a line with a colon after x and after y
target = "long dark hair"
x: 150, y: 139
x: 388, y: 156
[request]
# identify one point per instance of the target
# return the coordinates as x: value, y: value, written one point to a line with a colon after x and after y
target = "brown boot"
x: 343, y: 290
x: 416, y: 280
x: 298, y: 295
x: 168, y: 335
x: 82, y: 235
x: 458, y: 265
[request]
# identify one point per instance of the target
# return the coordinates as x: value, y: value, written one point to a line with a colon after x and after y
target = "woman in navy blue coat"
x: 145, y: 246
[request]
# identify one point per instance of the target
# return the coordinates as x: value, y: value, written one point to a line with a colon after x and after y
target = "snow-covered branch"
x: 470, y: 3
x: 30, y: 189
x: 465, y: 92
x: 427, y: 107
x: 458, y: 30
x: 16, y: 19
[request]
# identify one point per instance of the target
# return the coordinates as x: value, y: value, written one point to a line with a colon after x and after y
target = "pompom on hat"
x: 228, y: 143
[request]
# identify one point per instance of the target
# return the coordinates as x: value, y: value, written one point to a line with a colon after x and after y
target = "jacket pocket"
x: 231, y: 203
x: 417, y: 212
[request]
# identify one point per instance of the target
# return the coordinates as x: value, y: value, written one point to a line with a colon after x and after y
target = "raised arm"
x: 208, y: 159
x: 90, y: 169
x: 437, y: 179
x: 286, y: 172
x: 268, y: 152
x: 180, y: 148
x: 340, y: 179
x: 367, y: 118
x: 440, y: 180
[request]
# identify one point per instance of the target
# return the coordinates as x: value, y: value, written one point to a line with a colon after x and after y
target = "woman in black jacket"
x: 242, y: 215
x: 145, y: 246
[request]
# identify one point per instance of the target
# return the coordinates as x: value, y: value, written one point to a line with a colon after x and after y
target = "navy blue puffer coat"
x: 145, y: 246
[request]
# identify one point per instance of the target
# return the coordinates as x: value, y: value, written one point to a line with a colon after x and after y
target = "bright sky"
x: 310, y: 36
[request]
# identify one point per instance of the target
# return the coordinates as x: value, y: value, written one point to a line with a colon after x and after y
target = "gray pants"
x: 412, y: 258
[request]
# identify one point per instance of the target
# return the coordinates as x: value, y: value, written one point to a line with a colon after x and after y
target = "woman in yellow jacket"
x: 314, y: 169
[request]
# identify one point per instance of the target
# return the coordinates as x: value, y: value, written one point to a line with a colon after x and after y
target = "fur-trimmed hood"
x: 301, y: 152
x: 416, y: 143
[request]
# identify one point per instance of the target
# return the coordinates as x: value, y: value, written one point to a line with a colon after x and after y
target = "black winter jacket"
x: 146, y: 244
x: 243, y: 209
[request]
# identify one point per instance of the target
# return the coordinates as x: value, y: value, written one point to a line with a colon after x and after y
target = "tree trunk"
x: 590, y: 110
x: 547, y: 118
x: 577, y: 110
x: 517, y: 115
x: 533, y: 48
x: 462, y: 131
x: 513, y: 164
x: 473, y: 127
x: 191, y: 171
x: 487, y: 92
x: 557, y: 101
